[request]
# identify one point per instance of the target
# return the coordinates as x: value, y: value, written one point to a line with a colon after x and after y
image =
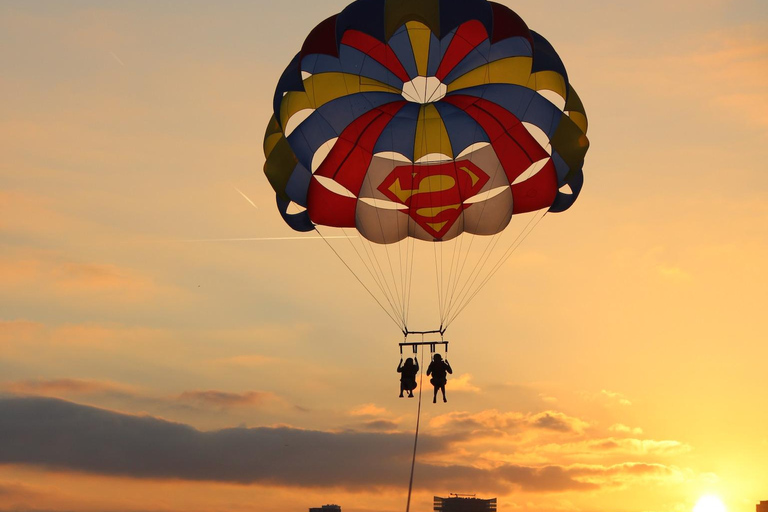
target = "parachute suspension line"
x: 470, y: 280
x: 404, y: 246
x: 396, y: 300
x: 488, y: 251
x: 463, y: 282
x: 416, y: 436
x: 467, y: 293
x: 457, y: 242
x: 389, y: 314
x: 438, y: 276
x: 403, y: 272
x: 377, y: 274
x: 508, y: 253
x: 409, y: 270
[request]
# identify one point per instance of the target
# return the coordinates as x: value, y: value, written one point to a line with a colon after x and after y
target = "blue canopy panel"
x: 297, y: 221
x: 351, y: 61
x: 400, y: 42
x: 564, y: 201
x: 517, y: 46
x: 400, y: 132
x: 309, y: 136
x: 527, y: 105
x: 328, y: 121
x: 369, y: 67
x: 290, y: 80
x: 561, y: 168
x: 455, y: 12
x: 463, y: 131
x: 437, y: 49
x: 298, y: 185
x: 545, y: 58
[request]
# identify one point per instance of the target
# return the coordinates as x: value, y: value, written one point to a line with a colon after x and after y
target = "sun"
x: 709, y: 504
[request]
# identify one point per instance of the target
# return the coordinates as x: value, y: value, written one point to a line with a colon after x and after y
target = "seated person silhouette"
x: 408, y: 373
x: 438, y: 369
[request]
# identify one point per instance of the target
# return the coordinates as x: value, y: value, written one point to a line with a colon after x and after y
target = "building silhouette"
x: 762, y: 506
x: 467, y: 503
x: 326, y: 508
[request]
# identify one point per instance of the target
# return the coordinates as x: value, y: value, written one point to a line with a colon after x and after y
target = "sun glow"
x: 709, y: 504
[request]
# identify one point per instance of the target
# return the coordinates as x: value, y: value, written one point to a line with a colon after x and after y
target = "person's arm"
x: 400, y: 367
x: 448, y: 367
x: 417, y: 365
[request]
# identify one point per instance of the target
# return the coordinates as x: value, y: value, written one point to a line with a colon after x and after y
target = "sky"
x: 151, y: 363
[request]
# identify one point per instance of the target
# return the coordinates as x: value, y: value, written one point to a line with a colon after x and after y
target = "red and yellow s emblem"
x: 434, y: 194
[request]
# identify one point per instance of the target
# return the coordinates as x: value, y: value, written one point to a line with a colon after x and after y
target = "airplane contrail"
x: 117, y: 58
x: 246, y: 198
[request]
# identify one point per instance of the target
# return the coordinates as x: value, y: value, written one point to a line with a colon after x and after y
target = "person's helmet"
x: 438, y: 357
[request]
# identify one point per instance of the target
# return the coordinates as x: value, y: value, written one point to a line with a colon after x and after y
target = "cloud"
x: 622, y: 474
x: 368, y: 410
x: 462, y: 383
x: 548, y: 399
x: 616, y: 396
x: 226, y: 399
x: 58, y: 387
x: 632, y: 447
x: 380, y: 425
x: 619, y: 427
x: 68, y: 436
x: 608, y: 397
x: 509, y: 422
x: 377, y: 422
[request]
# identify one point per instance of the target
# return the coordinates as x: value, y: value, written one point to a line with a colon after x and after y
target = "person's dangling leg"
x: 442, y: 388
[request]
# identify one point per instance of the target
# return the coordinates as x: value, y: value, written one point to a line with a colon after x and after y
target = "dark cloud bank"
x: 64, y: 435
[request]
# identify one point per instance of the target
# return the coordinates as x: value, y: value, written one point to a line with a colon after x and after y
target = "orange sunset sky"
x: 149, y: 363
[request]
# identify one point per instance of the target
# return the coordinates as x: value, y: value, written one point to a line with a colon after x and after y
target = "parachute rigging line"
x: 416, y: 437
x: 383, y: 282
x: 476, y: 271
x: 507, y: 254
x: 389, y: 314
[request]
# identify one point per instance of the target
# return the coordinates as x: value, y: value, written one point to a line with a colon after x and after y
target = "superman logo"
x: 434, y: 194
